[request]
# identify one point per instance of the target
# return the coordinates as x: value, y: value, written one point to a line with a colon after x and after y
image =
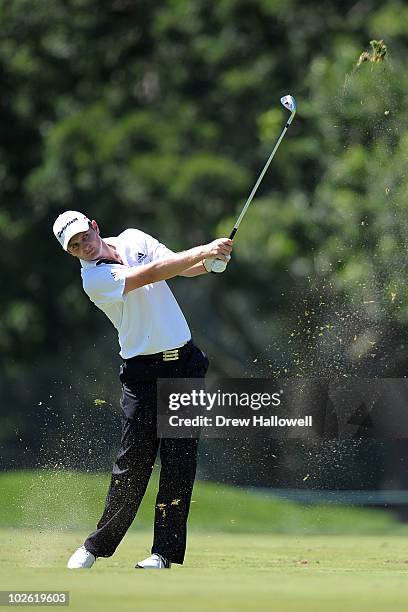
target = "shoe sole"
x: 150, y: 568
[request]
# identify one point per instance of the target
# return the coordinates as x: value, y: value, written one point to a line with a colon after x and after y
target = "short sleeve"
x: 149, y: 245
x: 105, y: 284
x: 155, y: 249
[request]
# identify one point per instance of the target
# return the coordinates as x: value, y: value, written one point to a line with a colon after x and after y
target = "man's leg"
x: 130, y: 473
x: 178, y: 467
x: 178, y: 461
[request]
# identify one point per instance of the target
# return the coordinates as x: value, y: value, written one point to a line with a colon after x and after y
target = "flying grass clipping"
x: 377, y: 54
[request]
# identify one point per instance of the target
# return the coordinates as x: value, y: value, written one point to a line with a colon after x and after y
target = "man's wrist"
x: 201, y: 252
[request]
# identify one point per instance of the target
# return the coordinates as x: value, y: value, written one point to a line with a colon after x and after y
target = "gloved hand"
x: 212, y: 264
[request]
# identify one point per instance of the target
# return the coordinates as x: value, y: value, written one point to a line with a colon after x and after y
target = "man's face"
x: 86, y: 245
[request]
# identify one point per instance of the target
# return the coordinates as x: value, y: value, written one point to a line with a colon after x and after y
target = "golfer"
x: 125, y: 277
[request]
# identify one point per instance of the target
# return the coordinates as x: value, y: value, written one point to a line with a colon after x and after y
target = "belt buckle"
x: 171, y: 355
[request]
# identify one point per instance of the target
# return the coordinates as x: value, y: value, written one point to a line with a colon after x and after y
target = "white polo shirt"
x: 148, y: 319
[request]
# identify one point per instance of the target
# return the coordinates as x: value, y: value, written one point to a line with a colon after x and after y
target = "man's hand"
x: 219, y: 249
x: 212, y: 264
x: 218, y: 256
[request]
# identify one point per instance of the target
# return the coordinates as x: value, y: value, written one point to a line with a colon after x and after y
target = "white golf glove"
x: 211, y: 264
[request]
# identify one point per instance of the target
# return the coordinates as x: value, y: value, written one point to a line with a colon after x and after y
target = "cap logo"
x: 65, y: 226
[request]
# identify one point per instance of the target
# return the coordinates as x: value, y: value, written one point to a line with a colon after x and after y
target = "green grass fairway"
x: 245, y: 552
x: 222, y: 572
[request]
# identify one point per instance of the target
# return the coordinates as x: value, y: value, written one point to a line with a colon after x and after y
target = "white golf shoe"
x: 81, y: 559
x: 155, y: 561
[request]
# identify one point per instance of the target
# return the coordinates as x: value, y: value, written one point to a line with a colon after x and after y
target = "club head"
x: 289, y: 102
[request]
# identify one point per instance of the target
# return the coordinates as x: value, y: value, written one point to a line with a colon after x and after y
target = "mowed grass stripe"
x: 74, y: 500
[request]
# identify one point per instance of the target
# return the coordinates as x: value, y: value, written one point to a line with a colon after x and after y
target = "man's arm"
x: 177, y: 263
x: 195, y: 270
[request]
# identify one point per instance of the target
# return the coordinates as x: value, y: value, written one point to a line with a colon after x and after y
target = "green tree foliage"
x: 160, y: 116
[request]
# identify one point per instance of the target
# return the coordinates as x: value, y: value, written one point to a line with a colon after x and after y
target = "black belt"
x: 169, y: 355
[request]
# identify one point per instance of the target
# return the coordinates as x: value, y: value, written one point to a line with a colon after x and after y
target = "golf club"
x: 289, y: 103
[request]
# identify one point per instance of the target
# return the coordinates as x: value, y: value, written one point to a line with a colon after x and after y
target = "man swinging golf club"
x: 125, y: 277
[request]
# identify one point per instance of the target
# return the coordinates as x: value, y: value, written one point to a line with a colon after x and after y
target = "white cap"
x: 68, y: 224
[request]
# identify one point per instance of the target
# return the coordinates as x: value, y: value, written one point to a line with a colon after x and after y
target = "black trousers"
x: 136, y: 457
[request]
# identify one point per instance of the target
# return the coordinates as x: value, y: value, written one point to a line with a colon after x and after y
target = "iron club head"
x: 289, y: 102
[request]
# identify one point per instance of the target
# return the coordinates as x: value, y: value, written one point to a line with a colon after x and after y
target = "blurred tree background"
x: 160, y: 116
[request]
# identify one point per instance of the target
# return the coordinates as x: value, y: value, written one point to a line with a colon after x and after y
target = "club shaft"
x: 258, y: 182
